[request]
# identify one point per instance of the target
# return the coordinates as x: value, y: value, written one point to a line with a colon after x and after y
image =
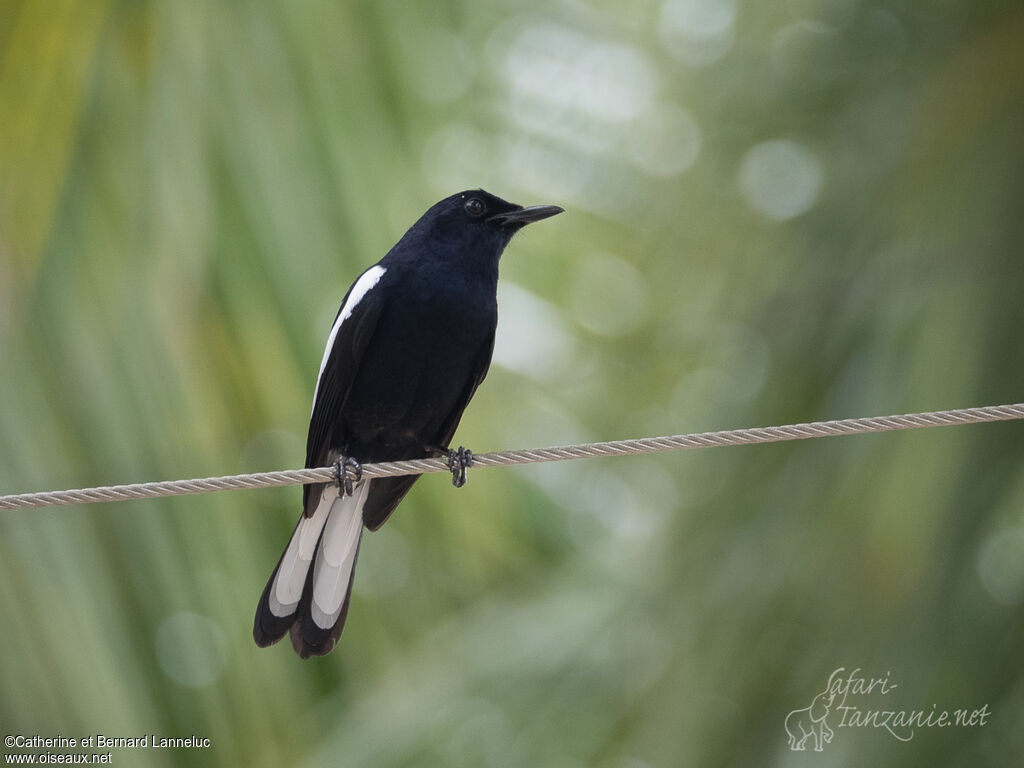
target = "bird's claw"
x: 347, y: 472
x: 459, y: 463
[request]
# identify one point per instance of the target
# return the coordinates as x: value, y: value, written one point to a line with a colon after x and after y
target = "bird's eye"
x: 475, y: 206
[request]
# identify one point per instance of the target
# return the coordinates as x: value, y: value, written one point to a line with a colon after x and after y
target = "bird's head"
x: 477, y: 223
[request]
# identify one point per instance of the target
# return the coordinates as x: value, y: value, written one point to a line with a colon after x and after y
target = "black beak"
x: 525, y: 216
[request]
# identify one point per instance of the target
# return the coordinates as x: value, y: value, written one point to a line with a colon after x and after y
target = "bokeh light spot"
x: 780, y: 179
x: 562, y: 66
x: 191, y: 649
x: 608, y: 296
x: 532, y: 337
x: 666, y: 142
x: 1001, y: 566
x: 698, y: 32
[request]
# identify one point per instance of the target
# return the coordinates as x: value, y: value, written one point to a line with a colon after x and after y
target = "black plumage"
x: 411, y: 343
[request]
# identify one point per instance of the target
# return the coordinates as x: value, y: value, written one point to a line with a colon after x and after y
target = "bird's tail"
x: 308, y: 593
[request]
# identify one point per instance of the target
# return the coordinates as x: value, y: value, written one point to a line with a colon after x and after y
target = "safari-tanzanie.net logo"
x: 856, y: 701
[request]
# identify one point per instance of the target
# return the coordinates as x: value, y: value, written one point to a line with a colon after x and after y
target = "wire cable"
x: 529, y: 456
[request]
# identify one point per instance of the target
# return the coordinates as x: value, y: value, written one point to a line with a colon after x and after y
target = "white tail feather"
x: 291, y: 575
x: 335, y: 557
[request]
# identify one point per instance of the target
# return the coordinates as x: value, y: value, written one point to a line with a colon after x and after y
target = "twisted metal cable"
x: 529, y: 456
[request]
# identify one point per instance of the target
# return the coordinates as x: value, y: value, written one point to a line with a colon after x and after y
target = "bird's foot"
x: 347, y: 472
x: 459, y: 463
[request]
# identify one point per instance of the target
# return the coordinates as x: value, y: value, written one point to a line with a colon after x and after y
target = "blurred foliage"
x: 777, y: 212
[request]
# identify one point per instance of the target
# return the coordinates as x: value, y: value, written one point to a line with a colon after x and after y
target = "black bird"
x: 410, y: 344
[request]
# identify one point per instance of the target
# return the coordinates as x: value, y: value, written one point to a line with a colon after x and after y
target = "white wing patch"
x: 366, y: 281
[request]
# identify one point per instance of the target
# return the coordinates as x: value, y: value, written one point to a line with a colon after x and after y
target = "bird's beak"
x: 524, y: 216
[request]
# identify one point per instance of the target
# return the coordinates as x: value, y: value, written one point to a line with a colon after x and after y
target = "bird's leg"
x: 459, y: 463
x: 342, y: 466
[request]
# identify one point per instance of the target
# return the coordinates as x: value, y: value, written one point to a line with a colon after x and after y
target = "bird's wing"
x: 387, y: 492
x: 353, y: 327
x: 481, y: 365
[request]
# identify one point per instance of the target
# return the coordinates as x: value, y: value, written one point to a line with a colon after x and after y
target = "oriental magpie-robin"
x: 410, y: 344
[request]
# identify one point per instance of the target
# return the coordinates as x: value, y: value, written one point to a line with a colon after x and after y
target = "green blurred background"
x: 776, y: 212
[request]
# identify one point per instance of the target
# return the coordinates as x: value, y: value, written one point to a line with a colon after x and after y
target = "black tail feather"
x: 267, y: 628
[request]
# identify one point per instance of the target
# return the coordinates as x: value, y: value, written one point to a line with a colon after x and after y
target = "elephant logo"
x: 809, y: 722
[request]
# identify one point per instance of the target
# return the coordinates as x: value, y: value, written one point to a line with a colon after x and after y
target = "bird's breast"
x: 425, y: 352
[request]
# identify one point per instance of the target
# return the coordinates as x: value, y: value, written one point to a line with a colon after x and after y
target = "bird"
x: 408, y: 348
